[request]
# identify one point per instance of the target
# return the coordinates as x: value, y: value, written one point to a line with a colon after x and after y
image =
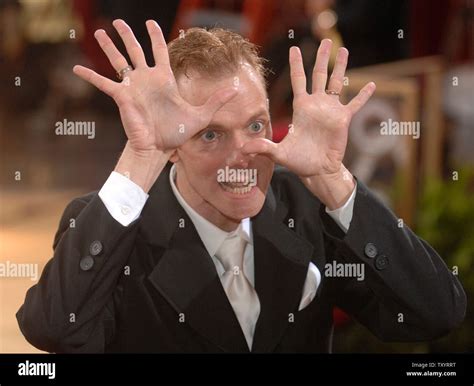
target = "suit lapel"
x: 186, y: 277
x: 281, y: 265
x: 185, y: 274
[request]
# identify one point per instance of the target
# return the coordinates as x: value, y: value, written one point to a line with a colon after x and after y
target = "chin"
x: 239, y: 214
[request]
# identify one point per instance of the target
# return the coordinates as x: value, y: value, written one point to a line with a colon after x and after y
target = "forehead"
x: 251, y: 94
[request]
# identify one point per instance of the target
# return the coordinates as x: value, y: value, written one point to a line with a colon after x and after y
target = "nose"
x: 235, y: 157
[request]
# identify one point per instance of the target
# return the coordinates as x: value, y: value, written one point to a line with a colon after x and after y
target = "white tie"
x: 241, y: 294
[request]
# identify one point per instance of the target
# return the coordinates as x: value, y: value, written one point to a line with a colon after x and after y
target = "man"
x: 220, y: 253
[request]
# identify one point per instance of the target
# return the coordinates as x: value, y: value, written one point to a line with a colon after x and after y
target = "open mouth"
x: 237, y: 187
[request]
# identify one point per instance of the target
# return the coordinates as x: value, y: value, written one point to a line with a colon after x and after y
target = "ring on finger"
x: 123, y: 71
x: 332, y: 92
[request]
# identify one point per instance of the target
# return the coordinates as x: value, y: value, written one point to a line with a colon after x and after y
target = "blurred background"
x: 420, y: 54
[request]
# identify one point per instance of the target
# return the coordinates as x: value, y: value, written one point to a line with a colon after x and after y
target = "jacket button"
x: 370, y: 250
x: 96, y: 248
x: 381, y: 262
x: 86, y: 263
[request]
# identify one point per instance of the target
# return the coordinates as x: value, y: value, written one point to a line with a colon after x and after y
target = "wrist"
x: 142, y: 166
x: 333, y: 190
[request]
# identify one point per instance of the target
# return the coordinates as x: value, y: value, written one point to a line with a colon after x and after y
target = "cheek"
x: 197, y: 162
x: 202, y: 171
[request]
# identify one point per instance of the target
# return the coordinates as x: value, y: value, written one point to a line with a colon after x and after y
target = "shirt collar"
x: 211, y: 235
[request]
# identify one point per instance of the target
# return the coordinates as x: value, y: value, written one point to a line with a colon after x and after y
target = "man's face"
x: 214, y: 177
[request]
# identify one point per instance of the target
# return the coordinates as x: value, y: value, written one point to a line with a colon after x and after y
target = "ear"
x: 174, y: 156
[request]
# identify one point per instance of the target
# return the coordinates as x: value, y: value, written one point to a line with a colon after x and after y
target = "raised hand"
x: 153, y: 113
x: 317, y: 138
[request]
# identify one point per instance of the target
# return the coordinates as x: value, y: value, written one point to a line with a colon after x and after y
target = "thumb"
x: 216, y: 101
x: 266, y: 147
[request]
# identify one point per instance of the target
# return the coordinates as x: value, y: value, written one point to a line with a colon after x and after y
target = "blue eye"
x: 256, y: 127
x: 209, y: 136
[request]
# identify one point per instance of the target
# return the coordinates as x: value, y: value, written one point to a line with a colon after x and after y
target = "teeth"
x: 236, y: 188
x: 237, y: 183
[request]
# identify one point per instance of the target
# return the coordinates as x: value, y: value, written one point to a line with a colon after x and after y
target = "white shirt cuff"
x: 343, y: 215
x: 123, y: 198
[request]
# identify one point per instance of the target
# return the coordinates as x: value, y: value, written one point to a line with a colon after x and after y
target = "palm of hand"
x: 153, y: 113
x: 317, y: 137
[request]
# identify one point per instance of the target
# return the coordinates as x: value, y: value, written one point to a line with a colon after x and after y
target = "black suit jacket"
x: 152, y: 287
